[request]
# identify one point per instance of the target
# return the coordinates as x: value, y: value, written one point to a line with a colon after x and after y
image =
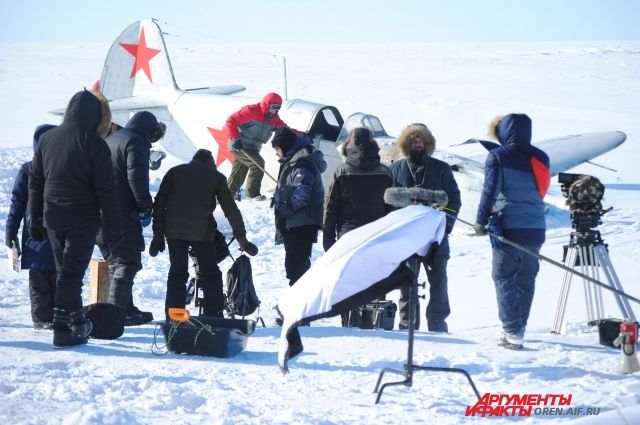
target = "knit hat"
x: 284, y: 139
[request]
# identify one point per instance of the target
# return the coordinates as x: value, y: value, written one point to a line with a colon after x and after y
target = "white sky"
x: 329, y: 20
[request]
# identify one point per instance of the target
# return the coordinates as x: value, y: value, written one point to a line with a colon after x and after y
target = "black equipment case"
x: 208, y: 336
x: 374, y: 315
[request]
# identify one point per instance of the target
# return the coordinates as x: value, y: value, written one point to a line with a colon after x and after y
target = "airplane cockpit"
x: 360, y: 119
x: 317, y: 120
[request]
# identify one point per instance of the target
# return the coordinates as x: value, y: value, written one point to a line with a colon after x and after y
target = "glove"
x: 37, y: 233
x: 480, y: 229
x: 156, y: 245
x: 236, y: 145
x: 145, y: 217
x: 328, y: 243
x: 247, y: 246
x: 11, y: 240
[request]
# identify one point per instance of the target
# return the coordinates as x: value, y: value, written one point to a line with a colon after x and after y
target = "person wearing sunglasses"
x: 247, y: 130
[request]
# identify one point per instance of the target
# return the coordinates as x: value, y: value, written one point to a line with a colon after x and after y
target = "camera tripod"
x: 588, y: 251
x: 414, y: 264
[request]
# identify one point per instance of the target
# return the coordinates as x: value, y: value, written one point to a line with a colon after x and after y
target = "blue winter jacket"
x: 35, y: 254
x: 516, y: 178
x: 299, y: 195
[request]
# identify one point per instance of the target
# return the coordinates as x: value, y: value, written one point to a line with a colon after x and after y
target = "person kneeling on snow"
x: 183, y: 213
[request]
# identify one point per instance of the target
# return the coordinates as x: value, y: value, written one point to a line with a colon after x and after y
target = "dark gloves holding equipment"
x: 236, y: 145
x: 145, y: 217
x: 480, y: 229
x: 37, y: 233
x: 247, y: 246
x: 157, y: 245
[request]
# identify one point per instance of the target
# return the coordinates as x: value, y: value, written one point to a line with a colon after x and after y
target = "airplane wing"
x: 570, y: 151
x: 567, y: 152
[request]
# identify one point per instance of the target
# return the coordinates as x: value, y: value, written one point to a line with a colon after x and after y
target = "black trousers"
x: 72, y: 250
x: 298, y: 242
x: 42, y: 292
x: 122, y: 270
x: 438, y: 307
x: 208, y: 275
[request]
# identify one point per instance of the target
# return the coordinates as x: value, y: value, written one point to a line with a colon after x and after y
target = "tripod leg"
x: 588, y: 267
x: 612, y: 278
x: 564, y: 291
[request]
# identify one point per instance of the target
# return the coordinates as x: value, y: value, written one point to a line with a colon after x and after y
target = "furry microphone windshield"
x: 402, y: 196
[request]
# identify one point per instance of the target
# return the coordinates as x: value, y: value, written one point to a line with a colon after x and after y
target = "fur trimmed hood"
x: 411, y: 131
x: 104, y: 126
x: 512, y: 128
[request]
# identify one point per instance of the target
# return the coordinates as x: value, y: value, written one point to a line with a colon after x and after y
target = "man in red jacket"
x: 247, y: 130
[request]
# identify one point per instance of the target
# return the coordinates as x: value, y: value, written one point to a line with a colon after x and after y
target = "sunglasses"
x: 275, y: 107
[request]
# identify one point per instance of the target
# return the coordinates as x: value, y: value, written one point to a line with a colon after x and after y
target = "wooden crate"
x: 98, y: 281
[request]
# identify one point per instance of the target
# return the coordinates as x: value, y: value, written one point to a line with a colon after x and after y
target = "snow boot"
x: 134, y: 317
x: 70, y: 328
x: 515, y: 345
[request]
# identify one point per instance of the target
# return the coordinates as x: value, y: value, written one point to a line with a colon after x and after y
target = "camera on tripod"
x: 584, y: 195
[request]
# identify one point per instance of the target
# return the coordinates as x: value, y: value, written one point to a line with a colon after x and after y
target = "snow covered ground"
x: 456, y: 89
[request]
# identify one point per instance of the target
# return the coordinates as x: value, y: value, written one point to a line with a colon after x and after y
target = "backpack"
x: 242, y: 298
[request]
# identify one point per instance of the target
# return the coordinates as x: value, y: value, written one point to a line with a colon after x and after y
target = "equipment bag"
x: 375, y: 315
x: 242, y: 298
x: 207, y: 336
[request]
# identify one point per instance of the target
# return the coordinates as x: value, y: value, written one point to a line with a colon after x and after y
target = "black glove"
x: 156, y: 245
x: 236, y: 145
x: 247, y: 246
x: 10, y: 239
x: 37, y: 233
x: 328, y: 243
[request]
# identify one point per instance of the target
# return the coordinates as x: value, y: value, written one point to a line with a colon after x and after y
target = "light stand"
x: 414, y: 264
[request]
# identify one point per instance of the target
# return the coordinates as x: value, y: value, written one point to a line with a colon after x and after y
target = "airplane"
x: 137, y: 75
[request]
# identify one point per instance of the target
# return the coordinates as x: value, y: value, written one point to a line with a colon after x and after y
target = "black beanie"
x: 284, y: 139
x: 203, y: 155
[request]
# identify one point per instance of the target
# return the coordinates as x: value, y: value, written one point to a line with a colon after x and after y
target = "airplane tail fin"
x: 137, y: 63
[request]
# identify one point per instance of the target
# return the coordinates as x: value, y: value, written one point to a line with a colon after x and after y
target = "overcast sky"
x: 71, y: 21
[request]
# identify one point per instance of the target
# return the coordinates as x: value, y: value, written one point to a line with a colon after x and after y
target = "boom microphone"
x: 402, y: 196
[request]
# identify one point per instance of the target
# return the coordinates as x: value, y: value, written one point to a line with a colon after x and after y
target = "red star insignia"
x: 223, y: 149
x: 143, y: 55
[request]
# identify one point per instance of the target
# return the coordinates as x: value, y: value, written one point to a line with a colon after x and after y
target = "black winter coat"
x: 130, y: 160
x: 71, y: 182
x: 356, y: 195
x: 184, y: 204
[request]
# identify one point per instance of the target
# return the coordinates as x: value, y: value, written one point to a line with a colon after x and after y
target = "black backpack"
x: 242, y: 298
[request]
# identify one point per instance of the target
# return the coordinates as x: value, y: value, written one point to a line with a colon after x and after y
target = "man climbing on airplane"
x: 247, y: 130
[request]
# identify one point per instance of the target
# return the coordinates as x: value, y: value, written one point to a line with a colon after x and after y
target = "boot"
x: 70, y: 328
x: 134, y: 317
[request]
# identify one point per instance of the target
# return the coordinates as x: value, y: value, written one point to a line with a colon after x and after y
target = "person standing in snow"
x: 247, y: 130
x: 356, y: 194
x: 71, y: 191
x: 183, y: 214
x: 516, y: 179
x: 36, y: 256
x: 130, y: 148
x: 420, y: 169
x: 298, y: 199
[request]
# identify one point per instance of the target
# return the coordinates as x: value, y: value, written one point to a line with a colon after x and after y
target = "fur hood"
x: 411, y: 131
x: 512, y: 128
x: 104, y: 127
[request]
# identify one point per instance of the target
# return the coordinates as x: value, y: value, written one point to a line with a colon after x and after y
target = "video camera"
x: 584, y: 195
